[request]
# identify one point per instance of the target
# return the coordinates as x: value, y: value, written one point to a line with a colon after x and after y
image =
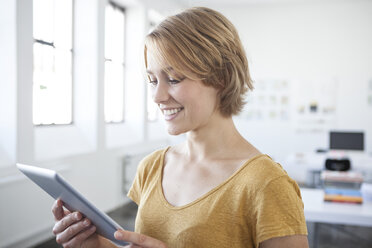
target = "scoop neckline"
x: 206, y: 195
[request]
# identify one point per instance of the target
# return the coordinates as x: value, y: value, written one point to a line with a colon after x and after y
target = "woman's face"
x: 187, y: 105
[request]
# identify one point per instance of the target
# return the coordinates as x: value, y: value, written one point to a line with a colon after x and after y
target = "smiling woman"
x: 215, y: 189
x: 203, y: 45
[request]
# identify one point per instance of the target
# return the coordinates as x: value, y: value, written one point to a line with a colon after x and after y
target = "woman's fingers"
x: 66, y: 212
x: 57, y: 209
x: 139, y: 239
x: 72, y: 231
x: 67, y: 221
x: 80, y: 238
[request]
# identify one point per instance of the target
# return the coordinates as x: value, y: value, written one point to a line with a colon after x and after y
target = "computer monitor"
x: 346, y: 141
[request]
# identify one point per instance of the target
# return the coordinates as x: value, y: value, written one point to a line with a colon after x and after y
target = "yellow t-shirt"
x: 258, y: 202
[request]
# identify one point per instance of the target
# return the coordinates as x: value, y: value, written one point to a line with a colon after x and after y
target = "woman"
x: 215, y: 189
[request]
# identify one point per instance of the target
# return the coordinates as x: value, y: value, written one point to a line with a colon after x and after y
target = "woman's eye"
x: 153, y: 82
x: 174, y: 81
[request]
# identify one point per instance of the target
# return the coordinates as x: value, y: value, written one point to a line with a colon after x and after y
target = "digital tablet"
x: 54, y: 184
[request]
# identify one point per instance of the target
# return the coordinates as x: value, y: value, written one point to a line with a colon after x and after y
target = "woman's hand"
x: 138, y: 240
x: 71, y: 229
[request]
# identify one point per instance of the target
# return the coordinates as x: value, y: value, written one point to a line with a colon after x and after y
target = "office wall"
x: 8, y: 83
x: 321, y: 48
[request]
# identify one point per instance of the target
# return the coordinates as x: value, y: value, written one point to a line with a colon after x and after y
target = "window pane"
x: 114, y: 68
x: 52, y: 89
x: 114, y: 34
x: 63, y: 65
x: 43, y: 25
x: 62, y: 90
x: 63, y: 24
x: 43, y: 63
x: 109, y: 50
x: 52, y: 77
x: 53, y: 103
x: 117, y: 39
x: 63, y: 87
x: 114, y: 92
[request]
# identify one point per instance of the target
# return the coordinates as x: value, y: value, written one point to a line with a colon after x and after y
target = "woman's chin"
x: 175, y: 131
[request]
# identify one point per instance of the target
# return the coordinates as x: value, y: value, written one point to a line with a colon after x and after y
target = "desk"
x: 316, y: 210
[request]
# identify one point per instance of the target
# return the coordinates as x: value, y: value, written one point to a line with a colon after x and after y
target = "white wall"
x: 8, y: 83
x: 307, y: 43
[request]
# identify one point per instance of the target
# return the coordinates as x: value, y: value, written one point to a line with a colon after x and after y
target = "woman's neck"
x: 215, y: 140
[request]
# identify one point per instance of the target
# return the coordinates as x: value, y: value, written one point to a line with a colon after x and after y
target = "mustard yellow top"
x: 258, y: 202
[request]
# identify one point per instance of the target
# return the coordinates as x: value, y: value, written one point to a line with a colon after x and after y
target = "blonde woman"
x: 215, y: 189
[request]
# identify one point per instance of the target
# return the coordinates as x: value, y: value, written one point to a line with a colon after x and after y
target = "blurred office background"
x: 74, y: 98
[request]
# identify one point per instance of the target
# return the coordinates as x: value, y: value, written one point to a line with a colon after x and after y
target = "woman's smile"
x: 171, y: 113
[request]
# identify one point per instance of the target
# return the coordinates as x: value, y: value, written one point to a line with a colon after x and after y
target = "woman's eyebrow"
x: 168, y: 69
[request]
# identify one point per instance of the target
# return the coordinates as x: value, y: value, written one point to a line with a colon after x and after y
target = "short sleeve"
x: 279, y: 210
x: 134, y: 192
x: 147, y: 168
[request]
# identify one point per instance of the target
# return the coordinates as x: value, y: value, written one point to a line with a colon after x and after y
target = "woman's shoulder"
x: 155, y: 155
x: 264, y: 163
x: 152, y: 161
x: 262, y: 169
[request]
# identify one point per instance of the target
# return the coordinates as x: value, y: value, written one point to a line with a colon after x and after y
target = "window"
x: 114, y: 64
x: 52, y: 70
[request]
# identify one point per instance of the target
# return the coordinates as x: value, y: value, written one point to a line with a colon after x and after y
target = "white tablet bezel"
x: 55, y: 185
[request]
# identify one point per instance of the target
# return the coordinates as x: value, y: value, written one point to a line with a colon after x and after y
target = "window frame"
x: 72, y: 51
x: 123, y: 63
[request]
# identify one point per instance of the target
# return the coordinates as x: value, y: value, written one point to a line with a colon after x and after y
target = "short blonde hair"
x: 201, y: 41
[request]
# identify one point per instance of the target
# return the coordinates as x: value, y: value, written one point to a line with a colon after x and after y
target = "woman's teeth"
x: 171, y: 111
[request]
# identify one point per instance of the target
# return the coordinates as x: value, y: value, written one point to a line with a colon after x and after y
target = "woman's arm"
x: 294, y: 241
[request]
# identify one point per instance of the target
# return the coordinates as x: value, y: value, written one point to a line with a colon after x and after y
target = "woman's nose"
x: 160, y: 93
